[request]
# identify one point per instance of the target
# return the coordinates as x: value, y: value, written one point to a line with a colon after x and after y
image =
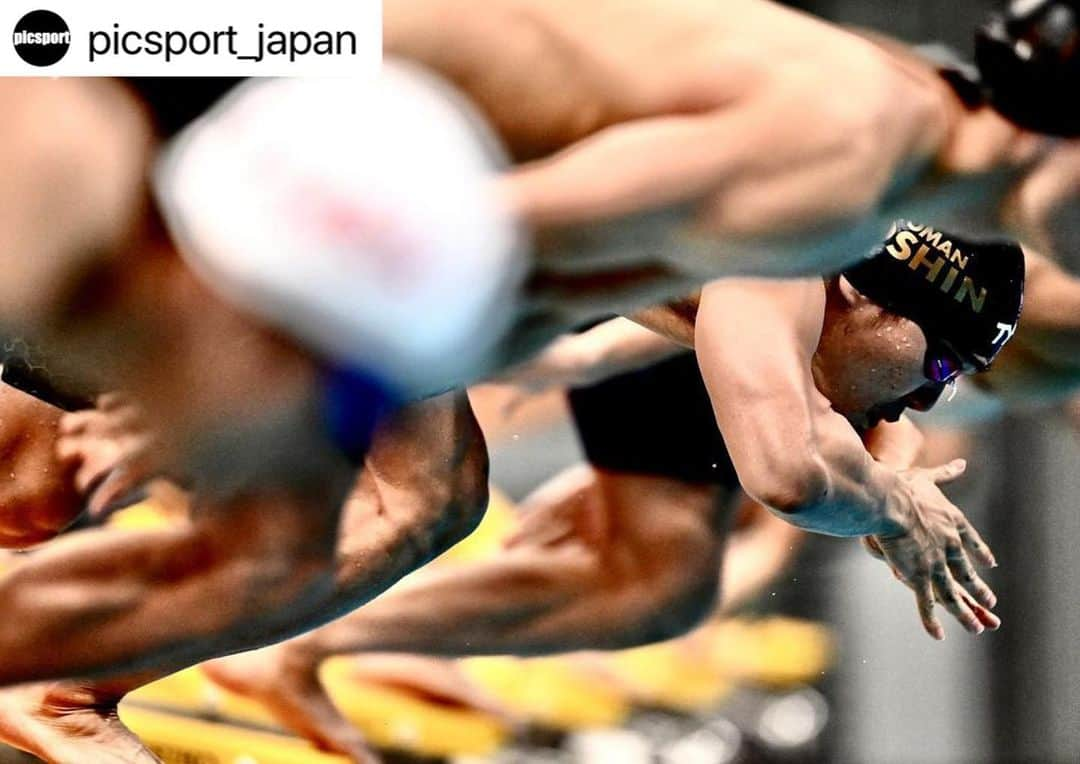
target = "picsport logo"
x: 41, y: 38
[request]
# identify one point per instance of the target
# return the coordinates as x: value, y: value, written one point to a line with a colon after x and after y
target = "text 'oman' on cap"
x: 965, y: 293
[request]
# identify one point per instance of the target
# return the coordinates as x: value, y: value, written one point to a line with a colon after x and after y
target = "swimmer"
x: 804, y: 131
x: 246, y: 415
x: 574, y: 575
x: 230, y: 388
x: 631, y: 183
x: 423, y: 488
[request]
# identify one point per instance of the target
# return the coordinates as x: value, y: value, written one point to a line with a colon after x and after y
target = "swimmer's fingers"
x: 946, y: 473
x: 988, y: 619
x: 912, y: 568
x: 951, y: 597
x: 974, y: 544
x: 924, y: 598
x: 964, y: 573
x: 77, y: 422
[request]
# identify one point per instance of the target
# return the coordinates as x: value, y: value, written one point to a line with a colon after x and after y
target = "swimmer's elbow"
x: 790, y: 487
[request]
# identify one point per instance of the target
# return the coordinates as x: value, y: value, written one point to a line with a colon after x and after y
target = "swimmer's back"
x: 550, y: 72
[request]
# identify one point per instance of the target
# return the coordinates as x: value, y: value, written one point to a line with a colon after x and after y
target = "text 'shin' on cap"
x: 967, y: 294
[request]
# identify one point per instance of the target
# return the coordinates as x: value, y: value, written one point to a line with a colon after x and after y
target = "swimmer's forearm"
x: 620, y: 346
x: 791, y: 450
x: 851, y: 496
x: 895, y: 444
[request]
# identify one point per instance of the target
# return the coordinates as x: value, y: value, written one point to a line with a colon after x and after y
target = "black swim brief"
x: 655, y: 421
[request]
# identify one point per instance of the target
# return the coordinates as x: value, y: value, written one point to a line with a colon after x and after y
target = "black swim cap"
x: 1028, y: 57
x: 964, y: 293
x: 177, y: 101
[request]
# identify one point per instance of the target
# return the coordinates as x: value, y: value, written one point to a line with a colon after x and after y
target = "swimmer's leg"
x: 424, y: 487
x: 601, y: 561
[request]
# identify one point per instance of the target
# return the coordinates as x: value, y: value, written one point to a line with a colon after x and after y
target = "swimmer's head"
x: 1028, y: 56
x: 923, y: 309
x: 870, y: 362
x: 360, y: 216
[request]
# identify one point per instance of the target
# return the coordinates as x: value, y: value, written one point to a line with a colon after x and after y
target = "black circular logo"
x: 42, y: 38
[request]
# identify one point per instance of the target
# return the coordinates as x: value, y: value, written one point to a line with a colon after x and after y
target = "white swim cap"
x: 357, y: 215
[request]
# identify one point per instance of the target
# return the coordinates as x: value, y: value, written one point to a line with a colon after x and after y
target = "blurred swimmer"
x: 632, y: 183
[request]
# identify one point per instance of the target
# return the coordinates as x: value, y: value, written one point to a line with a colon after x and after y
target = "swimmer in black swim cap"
x: 1028, y: 56
x: 966, y: 297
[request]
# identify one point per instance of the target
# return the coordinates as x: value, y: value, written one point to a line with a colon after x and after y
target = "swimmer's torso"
x: 547, y: 73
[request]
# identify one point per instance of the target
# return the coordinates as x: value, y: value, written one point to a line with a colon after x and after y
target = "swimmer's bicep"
x: 638, y: 165
x: 755, y: 342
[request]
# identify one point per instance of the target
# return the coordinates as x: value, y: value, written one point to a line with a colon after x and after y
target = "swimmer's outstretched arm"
x: 795, y: 454
x: 574, y: 360
x: 633, y: 167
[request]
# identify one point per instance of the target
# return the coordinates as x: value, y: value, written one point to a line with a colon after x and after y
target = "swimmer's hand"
x: 112, y: 450
x: 932, y: 551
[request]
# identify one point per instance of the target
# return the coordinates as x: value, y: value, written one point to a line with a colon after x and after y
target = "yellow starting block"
x: 553, y: 692
x: 773, y: 651
x: 395, y: 719
x: 386, y: 717
x: 181, y: 740
x: 670, y: 675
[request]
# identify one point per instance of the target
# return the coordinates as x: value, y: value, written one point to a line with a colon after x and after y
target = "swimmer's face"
x: 870, y: 364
